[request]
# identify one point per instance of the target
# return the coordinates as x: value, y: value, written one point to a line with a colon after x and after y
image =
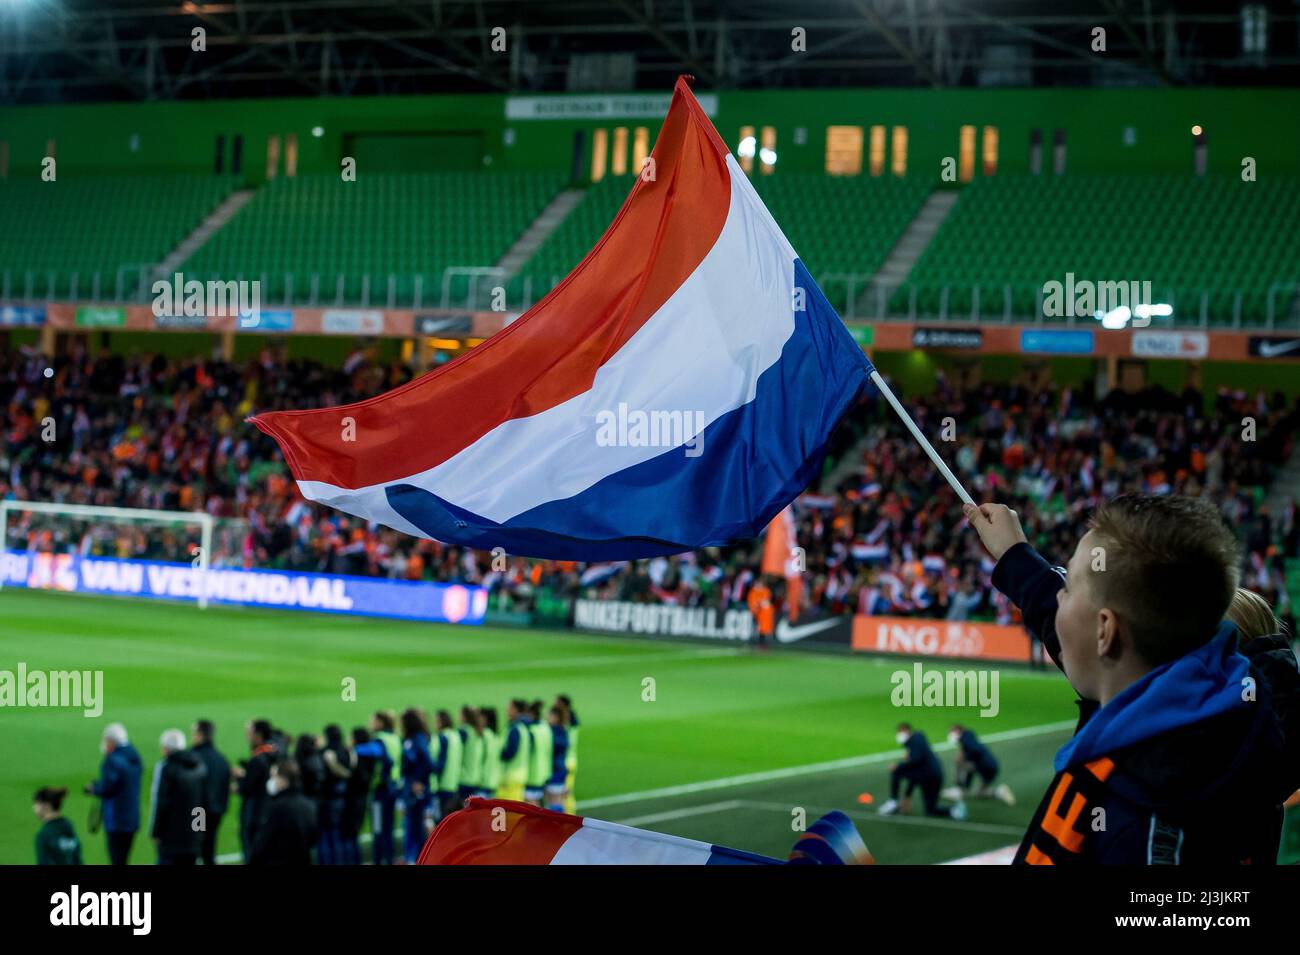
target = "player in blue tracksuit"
x: 557, y: 785
x: 417, y: 767
x: 920, y: 769
x: 386, y: 749
x: 975, y: 759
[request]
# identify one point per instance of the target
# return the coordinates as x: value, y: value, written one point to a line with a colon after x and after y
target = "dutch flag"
x: 501, y: 832
x: 675, y: 391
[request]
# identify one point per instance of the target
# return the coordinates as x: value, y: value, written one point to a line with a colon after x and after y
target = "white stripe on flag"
x: 703, y: 350
x: 607, y: 843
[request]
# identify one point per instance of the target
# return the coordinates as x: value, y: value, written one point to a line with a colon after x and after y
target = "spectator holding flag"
x: 1186, y: 765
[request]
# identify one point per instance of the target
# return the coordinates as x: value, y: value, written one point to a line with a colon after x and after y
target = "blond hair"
x: 1252, y: 615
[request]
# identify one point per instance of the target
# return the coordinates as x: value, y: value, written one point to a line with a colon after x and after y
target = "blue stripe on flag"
x: 755, y: 459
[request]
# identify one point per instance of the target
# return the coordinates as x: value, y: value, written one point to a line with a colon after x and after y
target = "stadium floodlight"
x: 205, y: 521
x: 1118, y: 318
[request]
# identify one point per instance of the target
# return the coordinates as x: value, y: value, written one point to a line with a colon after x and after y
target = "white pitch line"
x: 770, y: 775
x: 937, y: 822
x: 564, y: 662
x: 1002, y: 856
x: 681, y: 813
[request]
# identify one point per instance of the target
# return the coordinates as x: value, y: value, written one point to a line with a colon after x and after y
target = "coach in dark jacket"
x: 118, y: 787
x: 289, y: 833
x: 180, y: 787
x: 216, y: 798
x: 252, y: 777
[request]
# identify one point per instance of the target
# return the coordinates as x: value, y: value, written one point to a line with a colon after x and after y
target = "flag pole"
x: 920, y: 438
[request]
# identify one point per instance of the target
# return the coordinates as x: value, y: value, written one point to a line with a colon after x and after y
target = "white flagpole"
x: 920, y: 438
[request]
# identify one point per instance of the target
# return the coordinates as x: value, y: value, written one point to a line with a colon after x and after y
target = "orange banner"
x: 918, y: 636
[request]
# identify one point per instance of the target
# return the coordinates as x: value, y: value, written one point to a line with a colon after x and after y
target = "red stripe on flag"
x: 499, y: 832
x: 552, y: 352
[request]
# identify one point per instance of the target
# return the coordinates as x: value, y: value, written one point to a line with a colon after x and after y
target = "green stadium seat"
x: 108, y: 225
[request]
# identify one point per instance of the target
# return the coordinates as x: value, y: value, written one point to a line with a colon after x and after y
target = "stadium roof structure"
x: 114, y: 50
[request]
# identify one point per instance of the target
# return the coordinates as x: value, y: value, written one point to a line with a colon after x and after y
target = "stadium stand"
x: 840, y: 226
x: 571, y: 241
x: 116, y: 226
x: 146, y: 431
x: 1216, y: 236
x: 398, y: 225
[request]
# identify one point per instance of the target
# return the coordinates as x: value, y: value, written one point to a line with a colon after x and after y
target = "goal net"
x: 91, y: 549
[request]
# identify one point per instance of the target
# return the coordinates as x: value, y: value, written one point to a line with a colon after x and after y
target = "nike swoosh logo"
x: 1269, y: 350
x: 788, y: 634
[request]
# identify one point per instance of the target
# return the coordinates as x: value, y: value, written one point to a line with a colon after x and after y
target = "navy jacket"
x: 1189, y: 765
x: 979, y: 755
x: 119, y: 787
x: 921, y: 763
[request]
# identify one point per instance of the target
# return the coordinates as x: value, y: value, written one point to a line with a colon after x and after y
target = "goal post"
x: 205, y: 521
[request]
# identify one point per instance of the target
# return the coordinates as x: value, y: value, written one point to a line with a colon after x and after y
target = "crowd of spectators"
x: 887, y: 538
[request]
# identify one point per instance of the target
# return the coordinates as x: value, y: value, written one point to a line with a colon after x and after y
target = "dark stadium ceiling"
x: 105, y: 50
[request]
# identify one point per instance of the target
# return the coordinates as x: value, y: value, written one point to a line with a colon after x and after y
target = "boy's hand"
x: 997, y: 525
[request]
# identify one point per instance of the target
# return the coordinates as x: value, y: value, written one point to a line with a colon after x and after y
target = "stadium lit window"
x: 1254, y: 30
x: 1200, y: 151
x: 640, y: 148
x: 618, y: 161
x: 1035, y: 152
x: 747, y: 147
x: 767, y: 150
x: 599, y: 154
x: 877, y: 150
x: 843, y: 150
x: 272, y: 156
x: 898, y: 150
x: 990, y: 150
x: 291, y: 155
x: 1058, y: 152
x: 966, y: 154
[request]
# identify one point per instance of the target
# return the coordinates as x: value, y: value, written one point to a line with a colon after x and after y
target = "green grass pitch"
x: 732, y: 746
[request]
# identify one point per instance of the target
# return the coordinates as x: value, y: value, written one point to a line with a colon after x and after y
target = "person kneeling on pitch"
x: 920, y: 769
x: 974, y: 758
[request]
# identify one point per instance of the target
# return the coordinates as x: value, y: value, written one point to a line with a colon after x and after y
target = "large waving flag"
x: 675, y: 391
x: 502, y: 832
